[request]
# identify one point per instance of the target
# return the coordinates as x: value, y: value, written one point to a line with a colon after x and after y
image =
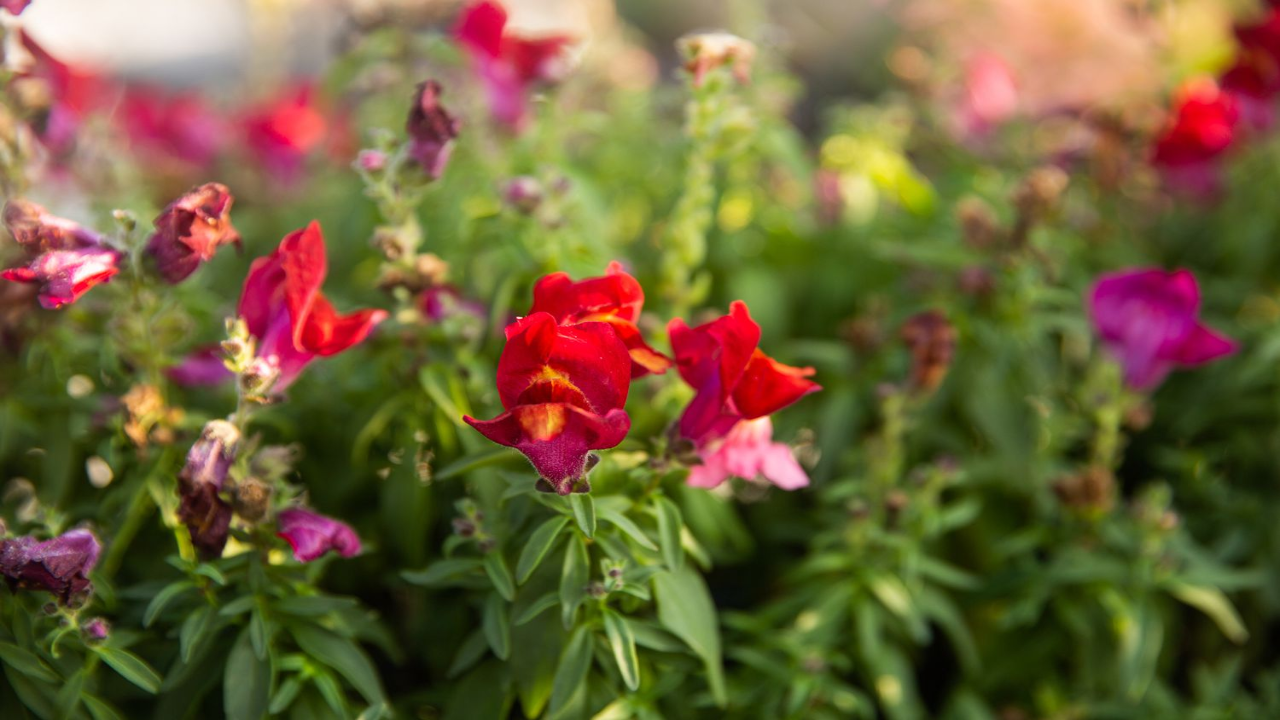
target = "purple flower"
x: 1147, y: 318
x: 311, y: 534
x: 201, y: 368
x: 60, y: 566
x: 206, y: 515
x: 96, y: 629
x: 748, y: 452
x: 431, y: 130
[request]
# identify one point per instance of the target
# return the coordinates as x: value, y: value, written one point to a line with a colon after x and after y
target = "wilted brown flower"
x: 931, y: 338
x: 1092, y: 490
x: 147, y: 418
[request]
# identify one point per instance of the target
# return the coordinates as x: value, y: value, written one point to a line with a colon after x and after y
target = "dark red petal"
x: 767, y: 386
x: 263, y: 293
x: 534, y: 58
x: 303, y: 259
x: 613, y: 295
x: 556, y: 437
x: 589, y: 357
x: 480, y: 28
x: 327, y: 333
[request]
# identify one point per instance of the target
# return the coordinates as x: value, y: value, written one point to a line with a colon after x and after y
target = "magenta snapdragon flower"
x: 311, y: 534
x: 1148, y: 319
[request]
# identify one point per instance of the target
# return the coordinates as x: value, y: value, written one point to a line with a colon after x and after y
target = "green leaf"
x: 470, y: 652
x: 26, y: 662
x: 313, y: 605
x: 632, y: 530
x: 130, y: 666
x: 539, y: 544
x: 1214, y: 603
x: 246, y: 682
x: 99, y: 708
x: 284, y: 697
x: 624, y: 648
x: 469, y: 463
x: 69, y: 694
x: 539, y: 606
x: 571, y: 673
x: 584, y: 511
x: 649, y: 635
x: 685, y: 608
x: 573, y: 579
x: 669, y: 524
x: 260, y: 632
x: 497, y: 627
x: 193, y: 630
x: 212, y: 573
x: 342, y: 655
x: 240, y: 605
x: 498, y: 572
x: 162, y: 599
x: 442, y: 570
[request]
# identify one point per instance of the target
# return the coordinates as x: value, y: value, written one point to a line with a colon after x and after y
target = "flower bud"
x: 931, y: 339
x: 96, y: 629
x: 371, y: 161
x: 1092, y: 490
x: 431, y: 130
x: 704, y: 52
x: 191, y: 230
x: 252, y: 499
x: 1039, y: 192
x: 978, y: 223
x: 523, y: 194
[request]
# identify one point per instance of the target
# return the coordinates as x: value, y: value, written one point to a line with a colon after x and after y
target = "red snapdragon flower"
x: 1201, y: 129
x: 563, y: 388
x: 284, y: 309
x: 67, y: 259
x: 191, y: 230
x: 283, y: 132
x: 1148, y: 319
x: 171, y: 129
x: 311, y: 534
x: 431, y: 130
x: 615, y: 298
x: 509, y: 65
x: 733, y: 378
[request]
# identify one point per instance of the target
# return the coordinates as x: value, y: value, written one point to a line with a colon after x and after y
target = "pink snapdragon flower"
x: 311, y: 534
x: 748, y: 452
x: 179, y: 130
x: 1148, y: 319
x: 67, y: 259
x: 510, y: 65
x: 203, y: 367
x: 284, y: 309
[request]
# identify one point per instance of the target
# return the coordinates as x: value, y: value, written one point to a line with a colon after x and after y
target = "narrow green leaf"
x: 540, y: 543
x: 331, y: 692
x: 259, y: 632
x: 246, y: 682
x: 342, y: 655
x: 26, y: 662
x: 539, y: 606
x: 466, y: 464
x: 685, y: 608
x: 571, y: 672
x: 469, y: 654
x: 193, y: 630
x: 1214, y: 603
x: 498, y: 572
x: 130, y: 666
x: 162, y: 599
x: 584, y: 511
x: 100, y: 709
x: 442, y: 570
x: 212, y: 573
x: 669, y: 524
x: 284, y: 697
x: 626, y: 525
x: 69, y: 695
x: 313, y: 605
x: 573, y: 579
x: 497, y: 626
x: 238, y: 606
x: 624, y: 648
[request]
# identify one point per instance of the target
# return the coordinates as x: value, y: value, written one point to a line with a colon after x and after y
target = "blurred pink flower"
x: 67, y: 259
x: 1059, y: 55
x: 431, y: 130
x: 171, y: 129
x: 510, y: 65
x: 1148, y: 319
x: 203, y: 367
x: 311, y: 534
x: 74, y: 92
x: 748, y: 452
x: 15, y: 6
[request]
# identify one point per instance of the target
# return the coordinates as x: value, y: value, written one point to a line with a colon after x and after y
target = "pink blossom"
x: 510, y: 65
x: 67, y: 259
x: 203, y: 367
x: 282, y: 133
x: 311, y: 534
x: 748, y: 452
x: 172, y: 129
x: 1148, y: 319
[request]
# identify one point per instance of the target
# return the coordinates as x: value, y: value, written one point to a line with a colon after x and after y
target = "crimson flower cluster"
x: 1210, y: 118
x: 565, y: 372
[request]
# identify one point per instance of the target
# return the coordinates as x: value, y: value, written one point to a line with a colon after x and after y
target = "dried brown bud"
x: 931, y: 338
x: 252, y: 499
x: 1091, y: 490
x: 978, y: 223
x: 1039, y: 192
